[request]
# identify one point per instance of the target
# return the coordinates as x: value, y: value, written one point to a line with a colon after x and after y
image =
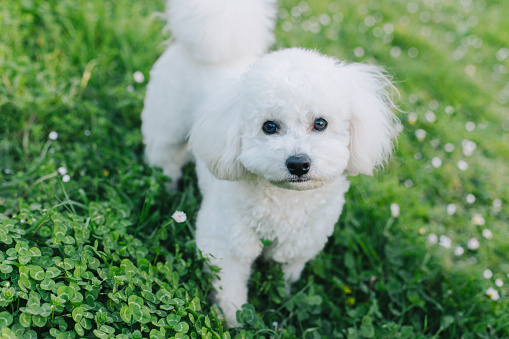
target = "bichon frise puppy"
x: 274, y: 136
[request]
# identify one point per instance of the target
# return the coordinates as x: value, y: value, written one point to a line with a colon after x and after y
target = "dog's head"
x: 298, y: 119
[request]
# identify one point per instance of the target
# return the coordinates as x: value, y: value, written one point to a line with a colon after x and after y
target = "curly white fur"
x: 215, y: 84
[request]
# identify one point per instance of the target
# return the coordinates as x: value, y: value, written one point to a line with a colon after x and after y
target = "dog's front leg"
x: 292, y: 271
x: 231, y: 285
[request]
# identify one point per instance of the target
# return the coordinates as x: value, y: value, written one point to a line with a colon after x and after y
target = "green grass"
x: 67, y: 66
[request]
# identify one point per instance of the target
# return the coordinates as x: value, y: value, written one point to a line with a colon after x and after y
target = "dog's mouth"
x: 297, y: 180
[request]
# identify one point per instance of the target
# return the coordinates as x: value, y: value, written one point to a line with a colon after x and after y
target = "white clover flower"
x: 395, y: 210
x: 179, y: 216
x: 412, y: 118
x: 66, y: 178
x: 459, y: 251
x: 492, y: 293
x: 432, y: 239
x: 487, y: 274
x: 499, y: 282
x: 53, y: 135
x: 470, y: 126
x: 430, y: 116
x: 436, y: 162
x: 478, y: 219
x: 451, y: 209
x: 473, y: 244
x: 497, y: 205
x: 445, y: 241
x: 449, y: 147
x: 462, y: 165
x: 62, y: 170
x: 138, y: 77
x: 468, y: 147
x: 420, y: 134
x: 487, y: 233
x: 470, y: 198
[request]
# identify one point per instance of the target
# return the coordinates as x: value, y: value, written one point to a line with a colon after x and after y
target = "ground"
x: 421, y: 250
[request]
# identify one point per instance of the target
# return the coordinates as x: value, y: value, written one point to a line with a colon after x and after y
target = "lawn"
x: 88, y: 246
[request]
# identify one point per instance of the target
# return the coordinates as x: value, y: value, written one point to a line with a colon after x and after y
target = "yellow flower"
x: 350, y: 301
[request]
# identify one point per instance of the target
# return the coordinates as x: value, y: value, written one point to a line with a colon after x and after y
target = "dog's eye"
x: 270, y: 127
x: 320, y: 124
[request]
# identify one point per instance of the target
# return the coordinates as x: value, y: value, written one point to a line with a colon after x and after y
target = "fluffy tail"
x: 215, y: 31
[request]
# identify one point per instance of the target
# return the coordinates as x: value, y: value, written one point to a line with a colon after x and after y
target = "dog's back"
x: 214, y: 42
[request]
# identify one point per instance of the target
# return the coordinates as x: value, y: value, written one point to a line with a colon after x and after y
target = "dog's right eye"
x: 270, y: 127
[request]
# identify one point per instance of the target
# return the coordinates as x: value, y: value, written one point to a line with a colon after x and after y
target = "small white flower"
x: 487, y: 233
x: 430, y: 116
x: 412, y: 118
x: 487, y: 274
x: 445, y: 241
x: 470, y: 126
x: 62, y: 170
x: 274, y: 324
x: 395, y: 210
x: 497, y: 205
x: 358, y: 52
x: 462, y: 165
x: 459, y: 251
x: 87, y: 133
x: 138, y: 77
x: 179, y: 216
x: 420, y: 134
x: 53, y: 135
x: 499, y: 282
x: 409, y: 183
x: 432, y: 239
x: 492, y: 293
x: 66, y: 178
x: 451, y: 209
x: 468, y: 147
x: 436, y: 162
x: 449, y: 147
x: 473, y: 244
x: 478, y: 219
x: 470, y: 198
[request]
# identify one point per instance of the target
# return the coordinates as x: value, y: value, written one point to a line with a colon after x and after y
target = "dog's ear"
x: 373, y: 123
x: 215, y: 137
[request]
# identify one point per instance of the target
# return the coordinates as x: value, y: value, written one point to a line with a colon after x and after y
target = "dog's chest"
x: 294, y: 222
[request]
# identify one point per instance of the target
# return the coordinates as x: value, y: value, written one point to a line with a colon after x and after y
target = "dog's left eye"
x: 320, y: 124
x: 270, y: 127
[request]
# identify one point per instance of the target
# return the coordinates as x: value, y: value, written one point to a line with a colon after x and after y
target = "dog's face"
x: 299, y: 120
x: 292, y: 140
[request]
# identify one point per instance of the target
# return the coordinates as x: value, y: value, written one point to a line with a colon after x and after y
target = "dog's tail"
x: 215, y: 31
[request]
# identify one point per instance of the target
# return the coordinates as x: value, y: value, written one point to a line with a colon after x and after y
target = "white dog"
x: 274, y: 136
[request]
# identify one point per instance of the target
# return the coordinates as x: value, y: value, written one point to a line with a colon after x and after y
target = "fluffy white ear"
x: 373, y: 123
x: 215, y: 137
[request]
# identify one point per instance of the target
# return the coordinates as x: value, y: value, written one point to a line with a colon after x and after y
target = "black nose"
x: 298, y: 164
